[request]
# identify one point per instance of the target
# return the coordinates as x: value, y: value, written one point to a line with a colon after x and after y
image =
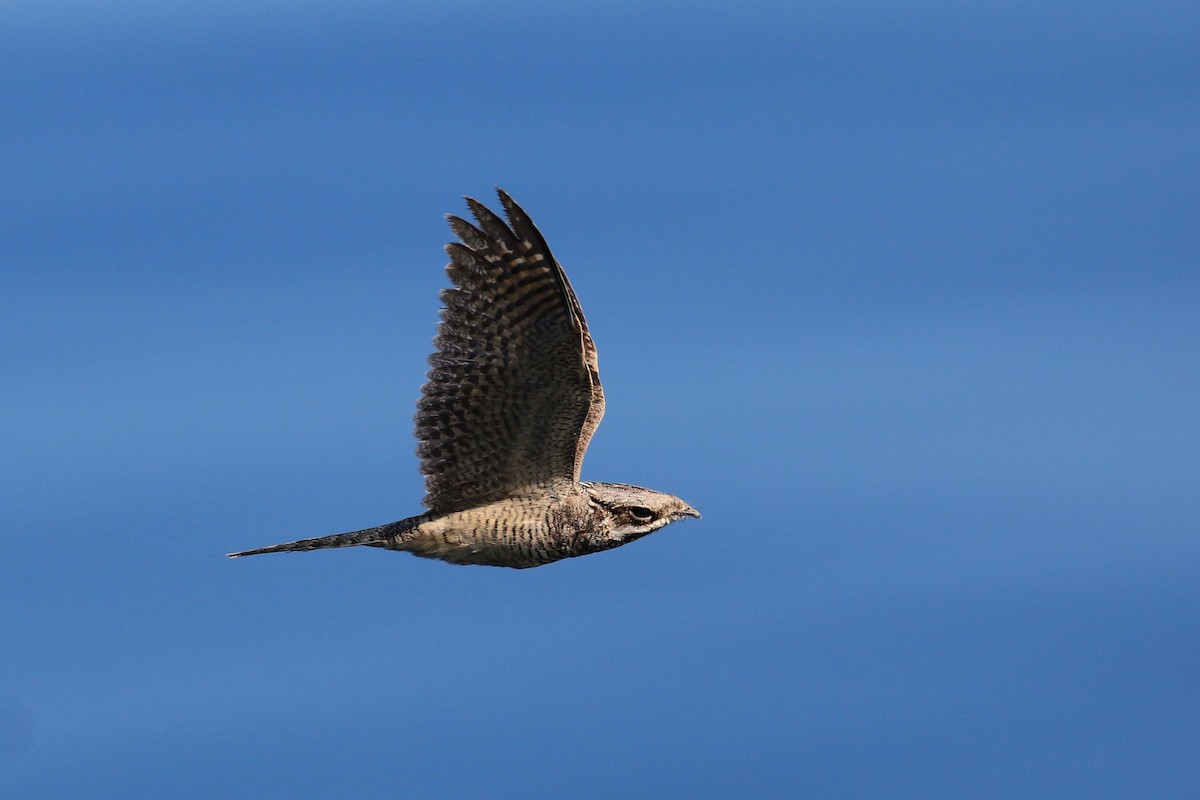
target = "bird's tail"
x: 373, y: 537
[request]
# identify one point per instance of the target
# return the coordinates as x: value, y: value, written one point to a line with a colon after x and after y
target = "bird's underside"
x: 512, y: 401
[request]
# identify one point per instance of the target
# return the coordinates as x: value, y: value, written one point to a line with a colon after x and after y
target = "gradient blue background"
x: 903, y: 296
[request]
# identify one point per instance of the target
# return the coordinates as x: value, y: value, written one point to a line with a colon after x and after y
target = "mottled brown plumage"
x: 514, y: 393
x: 512, y: 401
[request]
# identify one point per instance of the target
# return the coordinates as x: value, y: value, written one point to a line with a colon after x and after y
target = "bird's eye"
x: 641, y: 514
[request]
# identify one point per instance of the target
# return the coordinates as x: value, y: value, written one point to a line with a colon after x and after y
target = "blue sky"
x: 902, y: 296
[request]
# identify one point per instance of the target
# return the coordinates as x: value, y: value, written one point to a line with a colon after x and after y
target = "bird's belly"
x: 492, y: 540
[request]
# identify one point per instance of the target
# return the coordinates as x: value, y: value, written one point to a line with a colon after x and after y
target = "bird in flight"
x: 512, y: 401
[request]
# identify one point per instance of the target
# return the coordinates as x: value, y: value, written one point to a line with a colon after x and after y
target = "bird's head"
x: 631, y: 512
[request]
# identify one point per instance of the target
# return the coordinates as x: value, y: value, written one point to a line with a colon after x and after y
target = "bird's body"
x: 512, y: 401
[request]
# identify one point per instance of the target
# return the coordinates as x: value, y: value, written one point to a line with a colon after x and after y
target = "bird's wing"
x: 514, y: 393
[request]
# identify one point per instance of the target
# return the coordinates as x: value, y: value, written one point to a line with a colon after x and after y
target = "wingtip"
x: 517, y: 218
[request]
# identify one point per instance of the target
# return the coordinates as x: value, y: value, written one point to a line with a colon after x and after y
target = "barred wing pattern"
x: 514, y: 393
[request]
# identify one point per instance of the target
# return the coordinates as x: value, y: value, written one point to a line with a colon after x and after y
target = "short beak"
x: 688, y: 511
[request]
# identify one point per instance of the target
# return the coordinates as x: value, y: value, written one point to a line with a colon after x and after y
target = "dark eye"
x: 641, y: 514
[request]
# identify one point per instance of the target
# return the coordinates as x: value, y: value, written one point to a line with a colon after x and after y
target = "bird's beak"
x: 688, y: 511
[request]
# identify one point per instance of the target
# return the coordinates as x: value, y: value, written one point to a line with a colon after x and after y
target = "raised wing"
x: 514, y: 393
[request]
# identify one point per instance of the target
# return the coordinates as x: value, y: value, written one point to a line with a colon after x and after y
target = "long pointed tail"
x: 374, y: 537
